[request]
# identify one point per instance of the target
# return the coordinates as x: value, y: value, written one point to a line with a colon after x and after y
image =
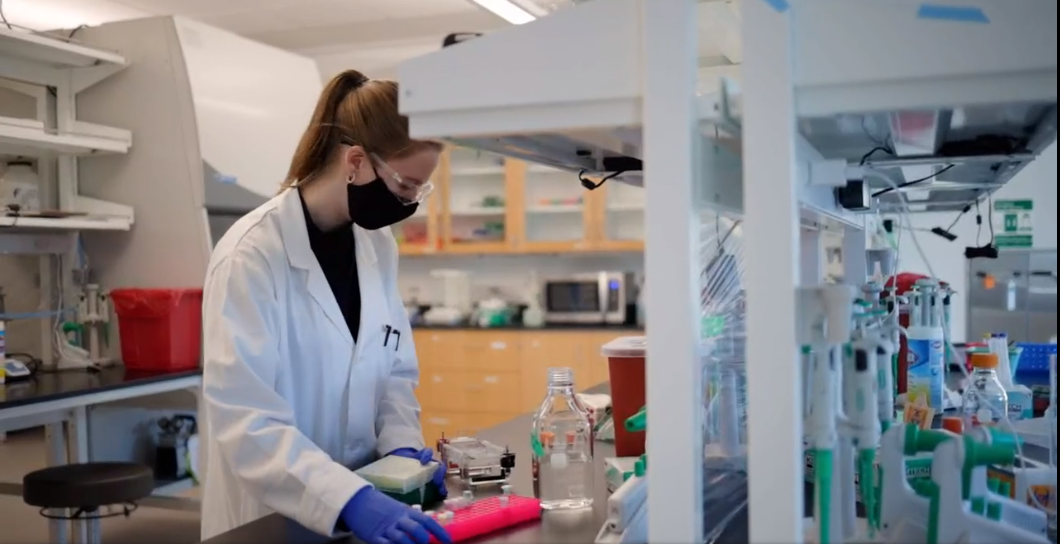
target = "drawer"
x: 437, y: 348
x: 490, y: 351
x: 470, y: 392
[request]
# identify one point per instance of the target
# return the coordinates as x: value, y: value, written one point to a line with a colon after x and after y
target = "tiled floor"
x: 20, y: 524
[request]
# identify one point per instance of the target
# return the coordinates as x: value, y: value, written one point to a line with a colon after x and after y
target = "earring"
x: 350, y: 178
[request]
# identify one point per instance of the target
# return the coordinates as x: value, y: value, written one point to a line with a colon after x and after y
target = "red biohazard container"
x: 626, y: 368
x: 160, y: 329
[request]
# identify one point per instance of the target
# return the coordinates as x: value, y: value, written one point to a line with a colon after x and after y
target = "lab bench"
x: 67, y: 405
x: 473, y: 379
x: 557, y: 526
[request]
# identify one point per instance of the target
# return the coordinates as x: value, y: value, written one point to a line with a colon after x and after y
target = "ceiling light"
x: 508, y: 10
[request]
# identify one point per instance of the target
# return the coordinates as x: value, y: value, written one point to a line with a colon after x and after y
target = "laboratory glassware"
x: 985, y: 401
x: 562, y: 443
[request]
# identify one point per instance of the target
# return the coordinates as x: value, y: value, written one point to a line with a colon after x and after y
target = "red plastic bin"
x: 160, y: 329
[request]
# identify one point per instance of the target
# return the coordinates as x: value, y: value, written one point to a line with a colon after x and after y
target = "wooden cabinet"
x: 486, y: 204
x: 474, y: 379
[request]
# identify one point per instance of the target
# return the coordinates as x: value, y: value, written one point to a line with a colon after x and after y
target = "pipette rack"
x: 487, y: 516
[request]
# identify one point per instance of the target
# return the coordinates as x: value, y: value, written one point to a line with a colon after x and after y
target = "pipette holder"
x: 885, y: 258
x: 903, y: 513
x: 93, y: 313
x: 963, y: 462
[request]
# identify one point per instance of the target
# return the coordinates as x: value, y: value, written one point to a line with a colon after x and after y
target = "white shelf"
x: 49, y: 224
x: 625, y: 207
x: 20, y: 137
x: 996, y: 79
x: 478, y: 212
x: 53, y: 52
x: 462, y: 171
x: 555, y: 209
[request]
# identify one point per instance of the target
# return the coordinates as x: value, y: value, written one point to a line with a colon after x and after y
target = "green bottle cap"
x: 978, y: 505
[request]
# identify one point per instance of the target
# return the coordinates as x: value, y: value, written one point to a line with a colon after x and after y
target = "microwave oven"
x: 605, y: 298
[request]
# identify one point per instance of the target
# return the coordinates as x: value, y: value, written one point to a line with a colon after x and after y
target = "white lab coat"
x: 290, y: 402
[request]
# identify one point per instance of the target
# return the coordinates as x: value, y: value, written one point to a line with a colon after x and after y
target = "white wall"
x: 1037, y: 181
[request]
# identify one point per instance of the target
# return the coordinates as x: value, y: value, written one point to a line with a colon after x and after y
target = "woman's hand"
x: 375, y: 518
x: 425, y: 456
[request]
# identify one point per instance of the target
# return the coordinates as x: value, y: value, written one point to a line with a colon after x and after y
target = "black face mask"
x: 373, y: 206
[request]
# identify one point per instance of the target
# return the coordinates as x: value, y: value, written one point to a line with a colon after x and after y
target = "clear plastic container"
x: 985, y: 401
x: 562, y: 443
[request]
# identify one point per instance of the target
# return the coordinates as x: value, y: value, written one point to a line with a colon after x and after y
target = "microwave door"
x: 573, y: 301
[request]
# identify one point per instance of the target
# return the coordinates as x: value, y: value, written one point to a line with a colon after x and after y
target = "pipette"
x: 827, y: 311
x: 863, y: 410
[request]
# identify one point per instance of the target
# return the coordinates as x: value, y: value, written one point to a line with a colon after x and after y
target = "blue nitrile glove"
x: 375, y: 518
x: 424, y: 456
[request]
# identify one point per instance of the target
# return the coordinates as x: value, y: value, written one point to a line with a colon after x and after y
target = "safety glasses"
x: 407, y: 191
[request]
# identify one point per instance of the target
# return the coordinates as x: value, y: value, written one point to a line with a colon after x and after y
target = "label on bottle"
x: 980, y: 416
x: 924, y: 372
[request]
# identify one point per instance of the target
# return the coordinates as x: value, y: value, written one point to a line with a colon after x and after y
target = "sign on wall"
x: 1013, y: 223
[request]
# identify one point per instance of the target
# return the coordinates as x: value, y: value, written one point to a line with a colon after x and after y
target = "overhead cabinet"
x: 487, y: 204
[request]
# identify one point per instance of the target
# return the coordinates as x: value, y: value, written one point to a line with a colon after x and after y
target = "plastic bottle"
x: 985, y: 402
x: 925, y: 373
x: 562, y: 443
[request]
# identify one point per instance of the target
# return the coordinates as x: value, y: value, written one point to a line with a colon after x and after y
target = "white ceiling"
x: 369, y: 35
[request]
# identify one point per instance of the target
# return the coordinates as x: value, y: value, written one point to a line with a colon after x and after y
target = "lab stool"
x: 83, y: 489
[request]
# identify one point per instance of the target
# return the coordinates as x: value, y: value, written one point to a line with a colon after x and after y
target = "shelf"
x: 29, y: 138
x: 461, y: 171
x: 49, y: 224
x: 53, y: 52
x: 982, y: 97
x: 555, y: 209
x: 626, y: 207
x: 478, y: 212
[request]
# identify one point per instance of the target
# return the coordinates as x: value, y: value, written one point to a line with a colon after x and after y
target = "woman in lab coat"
x: 309, y: 365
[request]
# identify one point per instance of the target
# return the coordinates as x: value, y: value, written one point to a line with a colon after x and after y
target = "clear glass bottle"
x: 985, y: 401
x: 562, y: 441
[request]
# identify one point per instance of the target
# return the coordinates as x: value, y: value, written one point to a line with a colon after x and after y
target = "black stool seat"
x: 87, y: 485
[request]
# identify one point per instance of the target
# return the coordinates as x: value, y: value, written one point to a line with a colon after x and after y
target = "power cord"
x: 903, y: 213
x: 3, y: 18
x: 903, y: 185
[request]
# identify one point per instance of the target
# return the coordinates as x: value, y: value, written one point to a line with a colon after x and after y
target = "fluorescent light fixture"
x: 508, y: 10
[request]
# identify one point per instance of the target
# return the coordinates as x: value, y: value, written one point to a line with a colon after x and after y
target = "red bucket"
x: 160, y: 329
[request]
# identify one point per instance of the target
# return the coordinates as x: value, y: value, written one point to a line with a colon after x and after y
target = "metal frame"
x: 647, y: 82
x: 66, y: 426
x: 771, y: 251
x: 671, y: 150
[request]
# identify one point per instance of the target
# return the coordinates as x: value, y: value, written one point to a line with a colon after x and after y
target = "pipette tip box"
x: 487, y: 516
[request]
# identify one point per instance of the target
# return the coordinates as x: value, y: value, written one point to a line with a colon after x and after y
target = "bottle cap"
x: 984, y: 360
x: 953, y: 424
